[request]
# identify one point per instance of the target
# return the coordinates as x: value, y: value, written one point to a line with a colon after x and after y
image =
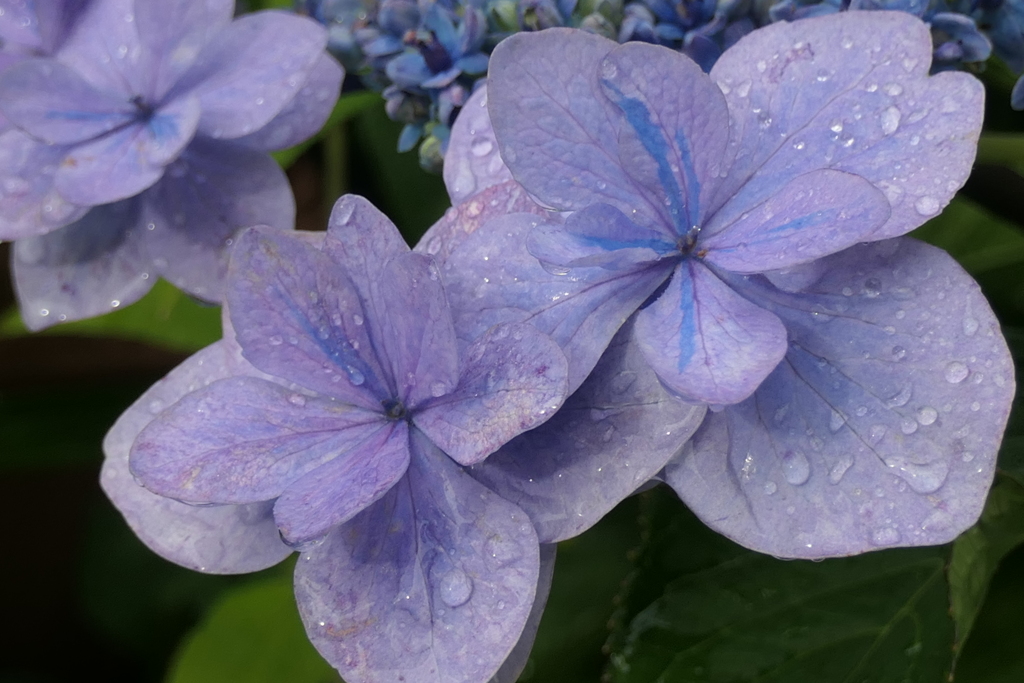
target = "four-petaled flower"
x: 140, y: 147
x: 340, y: 420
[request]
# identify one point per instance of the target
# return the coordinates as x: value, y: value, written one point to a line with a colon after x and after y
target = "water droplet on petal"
x: 927, y: 206
x: 885, y: 536
x: 502, y: 551
x: 795, y: 467
x: 956, y: 372
x: 901, y: 398
x: 297, y: 400
x: 481, y: 147
x: 770, y: 488
x: 970, y: 326
x: 438, y: 389
x: 456, y: 588
x: 835, y: 475
x: 927, y: 415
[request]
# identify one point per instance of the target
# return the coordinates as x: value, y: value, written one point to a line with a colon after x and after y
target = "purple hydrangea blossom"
x: 337, y: 412
x: 836, y: 136
x: 141, y: 147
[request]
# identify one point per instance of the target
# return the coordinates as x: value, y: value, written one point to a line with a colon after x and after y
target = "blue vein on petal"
x: 824, y: 216
x: 650, y: 136
x: 660, y: 247
x: 687, y: 310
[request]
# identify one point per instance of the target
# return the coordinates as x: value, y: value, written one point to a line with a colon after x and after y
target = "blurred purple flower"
x: 337, y: 411
x: 141, y: 147
x: 720, y: 215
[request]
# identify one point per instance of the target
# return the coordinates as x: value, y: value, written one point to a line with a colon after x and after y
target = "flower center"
x: 394, y: 409
x: 145, y: 111
x: 687, y: 242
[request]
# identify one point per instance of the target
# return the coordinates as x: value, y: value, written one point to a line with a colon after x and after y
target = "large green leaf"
x: 165, y: 317
x: 253, y: 634
x: 977, y: 552
x: 725, y: 614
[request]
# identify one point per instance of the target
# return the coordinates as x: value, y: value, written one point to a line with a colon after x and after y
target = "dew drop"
x: 970, y: 326
x: 276, y: 340
x: 956, y: 372
x: 901, y: 398
x: 795, y: 467
x: 922, y: 477
x: 836, y: 421
x: 876, y: 433
x: 438, y: 389
x: 297, y: 400
x: 357, y: 378
x: 481, y: 147
x: 155, y: 406
x: 885, y: 536
x: 762, y: 66
x: 835, y: 475
x: 927, y: 415
x: 836, y: 127
x: 927, y: 206
x: 357, y: 319
x: 908, y: 426
x: 770, y: 488
x: 502, y: 551
x: 456, y: 588
x: 891, y: 120
x: 899, y: 353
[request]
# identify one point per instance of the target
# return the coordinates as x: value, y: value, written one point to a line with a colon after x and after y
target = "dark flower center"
x: 394, y: 409
x: 144, y: 109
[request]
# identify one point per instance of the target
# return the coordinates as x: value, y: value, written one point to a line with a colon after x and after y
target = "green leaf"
x: 979, y: 240
x: 252, y: 634
x: 724, y: 614
x: 347, y: 107
x: 977, y: 552
x: 165, y: 317
x: 1003, y: 149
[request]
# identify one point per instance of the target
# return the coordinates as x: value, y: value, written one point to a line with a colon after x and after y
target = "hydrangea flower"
x: 337, y: 412
x: 707, y: 208
x: 141, y: 148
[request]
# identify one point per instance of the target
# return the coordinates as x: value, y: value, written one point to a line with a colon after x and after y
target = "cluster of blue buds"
x: 426, y: 57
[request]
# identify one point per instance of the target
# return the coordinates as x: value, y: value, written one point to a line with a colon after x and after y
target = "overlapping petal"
x: 28, y: 203
x: 706, y: 342
x: 263, y: 59
x: 298, y: 315
x: 463, y: 219
x: 129, y: 160
x: 492, y: 278
x: 417, y: 329
x: 599, y: 235
x: 435, y: 582
x: 556, y: 131
x: 338, y: 490
x: 611, y: 436
x: 814, y: 215
x: 221, y: 539
x: 203, y: 199
x: 105, y: 49
x: 850, y: 92
x: 673, y: 140
x: 513, y: 378
x: 53, y: 103
x: 84, y: 269
x: 879, y: 428
x: 305, y: 114
x: 472, y: 163
x: 173, y: 33
x: 253, y: 440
